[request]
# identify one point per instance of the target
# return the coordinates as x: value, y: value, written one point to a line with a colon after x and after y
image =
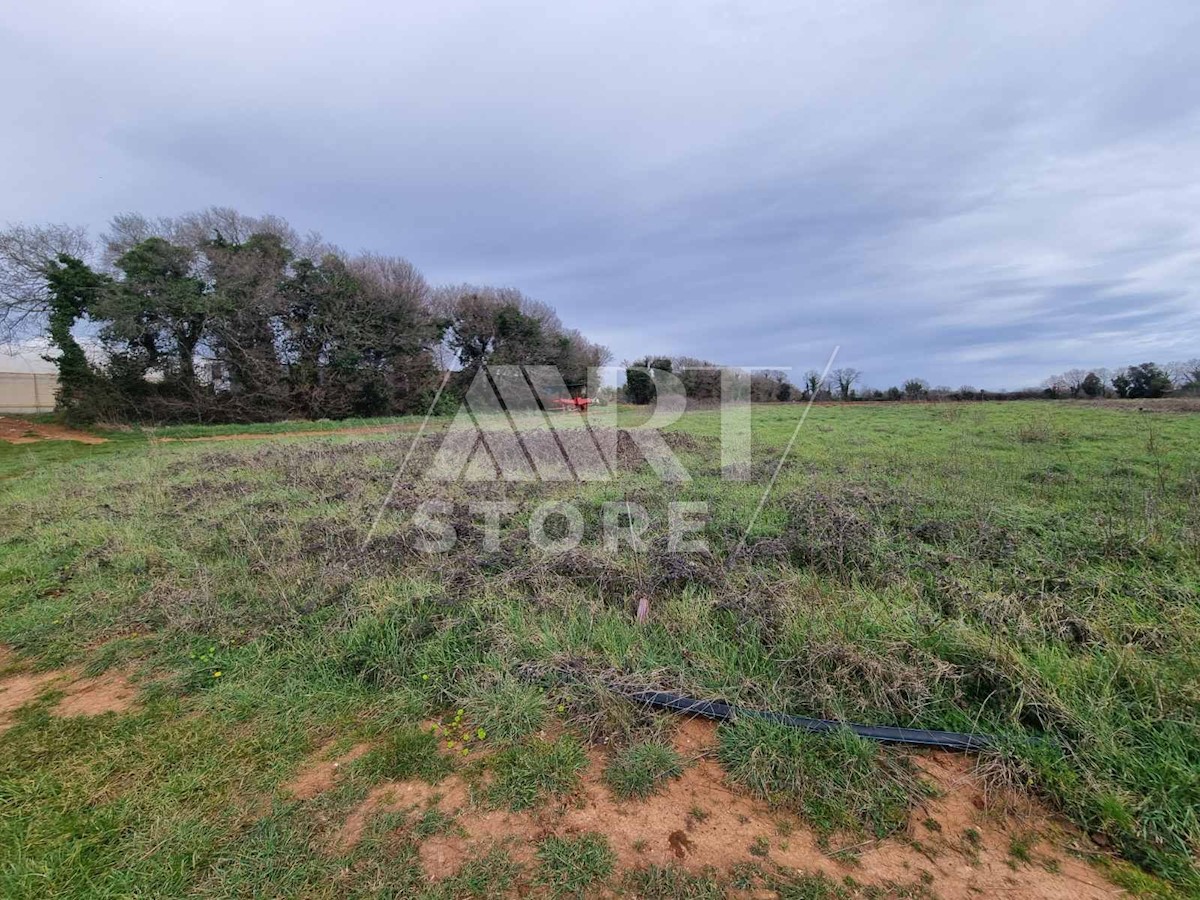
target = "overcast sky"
x: 981, y: 193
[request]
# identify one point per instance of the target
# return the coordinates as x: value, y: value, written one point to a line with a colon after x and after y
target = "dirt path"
x: 19, y: 431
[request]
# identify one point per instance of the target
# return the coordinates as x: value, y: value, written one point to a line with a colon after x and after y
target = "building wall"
x: 26, y: 392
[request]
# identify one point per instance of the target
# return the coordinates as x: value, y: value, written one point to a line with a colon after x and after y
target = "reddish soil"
x: 322, y: 773
x: 19, y: 431
x: 110, y: 692
x: 957, y: 844
x: 18, y: 690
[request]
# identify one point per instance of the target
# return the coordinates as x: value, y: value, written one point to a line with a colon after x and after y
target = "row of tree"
x: 217, y: 316
x: 1146, y: 380
x: 701, y: 381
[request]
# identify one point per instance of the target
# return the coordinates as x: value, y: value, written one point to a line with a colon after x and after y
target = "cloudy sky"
x: 980, y: 193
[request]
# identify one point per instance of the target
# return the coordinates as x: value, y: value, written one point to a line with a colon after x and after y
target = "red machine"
x: 579, y: 404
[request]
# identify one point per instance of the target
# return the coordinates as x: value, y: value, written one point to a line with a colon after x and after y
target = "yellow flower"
x: 217, y: 674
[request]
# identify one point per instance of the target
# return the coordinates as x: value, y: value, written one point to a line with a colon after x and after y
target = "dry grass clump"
x: 842, y: 533
x: 893, y: 681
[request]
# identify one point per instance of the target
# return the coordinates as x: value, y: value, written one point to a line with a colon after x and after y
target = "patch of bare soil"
x: 300, y: 432
x: 18, y: 431
x: 320, y: 774
x: 957, y: 845
x: 110, y: 692
x: 20, y: 689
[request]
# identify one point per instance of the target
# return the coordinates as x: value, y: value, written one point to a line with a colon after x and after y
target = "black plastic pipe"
x: 712, y: 709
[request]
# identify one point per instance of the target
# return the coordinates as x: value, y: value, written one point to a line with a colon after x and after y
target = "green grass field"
x: 1027, y: 570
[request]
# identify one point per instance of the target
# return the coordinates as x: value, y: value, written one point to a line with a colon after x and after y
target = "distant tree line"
x: 217, y: 316
x: 1143, y: 381
x: 701, y: 381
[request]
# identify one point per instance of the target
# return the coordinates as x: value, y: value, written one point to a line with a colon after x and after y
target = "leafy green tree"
x: 1092, y: 386
x: 1147, y: 381
x: 639, y: 384
x: 156, y: 314
x: 1121, y: 383
x: 73, y: 289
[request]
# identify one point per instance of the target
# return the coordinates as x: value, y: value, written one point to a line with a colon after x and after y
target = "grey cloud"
x: 977, y: 193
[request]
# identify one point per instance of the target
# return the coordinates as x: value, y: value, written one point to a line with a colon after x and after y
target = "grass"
x: 506, y: 708
x: 642, y: 769
x: 569, y: 866
x: 406, y: 752
x: 1027, y: 570
x: 526, y: 775
x: 840, y: 782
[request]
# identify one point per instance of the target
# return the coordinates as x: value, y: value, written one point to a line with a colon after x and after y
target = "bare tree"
x: 1056, y: 384
x: 25, y: 251
x: 845, y: 380
x: 1184, y: 372
x: 1073, y: 379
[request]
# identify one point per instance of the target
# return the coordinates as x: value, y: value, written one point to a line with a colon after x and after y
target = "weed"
x: 803, y: 886
x: 657, y: 883
x: 488, y: 877
x: 1020, y: 847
